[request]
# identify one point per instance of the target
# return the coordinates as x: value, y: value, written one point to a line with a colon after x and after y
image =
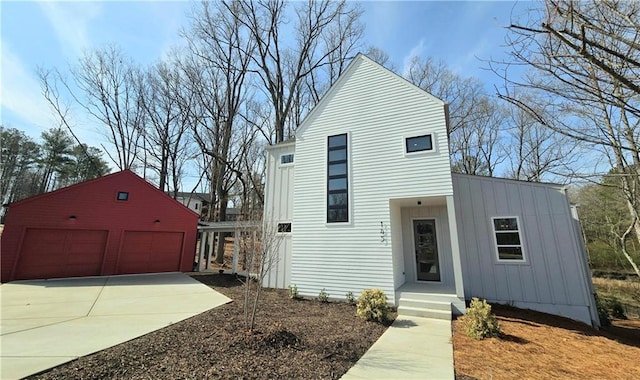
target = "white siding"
x: 378, y: 110
x: 399, y: 273
x: 552, y: 278
x: 193, y: 204
x: 278, y: 208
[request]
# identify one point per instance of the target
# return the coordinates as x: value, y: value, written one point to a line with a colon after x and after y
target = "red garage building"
x: 116, y: 224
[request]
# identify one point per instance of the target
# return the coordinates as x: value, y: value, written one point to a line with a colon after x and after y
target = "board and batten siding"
x: 377, y: 110
x: 278, y: 208
x: 552, y: 278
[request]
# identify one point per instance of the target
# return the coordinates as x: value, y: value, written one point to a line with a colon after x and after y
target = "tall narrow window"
x: 508, y: 241
x: 337, y: 180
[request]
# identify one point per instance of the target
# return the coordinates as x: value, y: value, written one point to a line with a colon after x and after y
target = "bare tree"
x: 381, y: 57
x: 474, y: 118
x: 464, y: 95
x: 537, y: 152
x: 167, y: 115
x: 217, y: 74
x: 107, y: 83
x: 260, y: 248
x: 325, y: 34
x: 476, y: 147
x: 584, y: 57
x: 106, y: 80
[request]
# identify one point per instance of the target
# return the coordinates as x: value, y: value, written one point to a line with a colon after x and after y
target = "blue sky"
x: 54, y: 34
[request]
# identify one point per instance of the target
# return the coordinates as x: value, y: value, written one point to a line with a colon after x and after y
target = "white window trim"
x: 349, y: 181
x: 288, y: 163
x: 520, y: 236
x: 433, y: 150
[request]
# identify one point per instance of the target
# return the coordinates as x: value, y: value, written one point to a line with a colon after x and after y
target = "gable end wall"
x: 377, y: 109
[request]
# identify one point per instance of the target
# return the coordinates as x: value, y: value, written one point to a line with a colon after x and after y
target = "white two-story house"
x: 364, y: 197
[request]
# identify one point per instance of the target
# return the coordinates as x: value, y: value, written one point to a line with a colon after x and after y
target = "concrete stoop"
x: 424, y: 308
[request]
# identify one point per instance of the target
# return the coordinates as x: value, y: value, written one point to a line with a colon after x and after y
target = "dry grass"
x: 626, y: 291
x: 541, y: 346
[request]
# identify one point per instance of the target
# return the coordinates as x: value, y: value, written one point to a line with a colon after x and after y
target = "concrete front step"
x: 425, y: 296
x: 424, y: 313
x: 420, y: 307
x: 424, y: 304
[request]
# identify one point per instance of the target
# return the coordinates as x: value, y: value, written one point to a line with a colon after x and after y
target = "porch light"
x: 73, y: 217
x: 157, y: 221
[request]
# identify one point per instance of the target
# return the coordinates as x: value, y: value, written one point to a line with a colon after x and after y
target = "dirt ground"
x: 228, y: 256
x: 306, y: 339
x: 541, y: 346
x: 295, y: 339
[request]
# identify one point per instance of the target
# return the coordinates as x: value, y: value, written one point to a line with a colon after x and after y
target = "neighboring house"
x: 196, y: 202
x: 116, y: 224
x: 200, y: 202
x: 365, y: 198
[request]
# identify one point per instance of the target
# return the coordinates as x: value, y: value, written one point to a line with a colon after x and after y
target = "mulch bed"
x: 303, y: 339
x: 542, y: 346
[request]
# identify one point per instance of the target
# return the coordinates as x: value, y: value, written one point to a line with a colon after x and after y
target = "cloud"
x: 20, y: 95
x: 415, y: 51
x: 70, y: 22
x: 471, y: 61
x: 381, y: 18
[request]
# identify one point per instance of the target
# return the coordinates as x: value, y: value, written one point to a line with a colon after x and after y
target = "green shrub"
x: 293, y: 292
x: 616, y: 309
x: 323, y: 296
x: 603, y: 313
x: 351, y: 299
x: 372, y: 306
x: 613, y: 307
x: 479, y: 323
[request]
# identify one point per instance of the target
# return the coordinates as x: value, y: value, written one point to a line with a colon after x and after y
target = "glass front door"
x: 424, y: 234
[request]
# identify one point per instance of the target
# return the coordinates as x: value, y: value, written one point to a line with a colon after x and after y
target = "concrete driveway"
x: 45, y: 323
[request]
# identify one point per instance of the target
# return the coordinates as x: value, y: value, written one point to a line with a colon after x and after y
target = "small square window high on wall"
x: 418, y: 144
x: 286, y: 159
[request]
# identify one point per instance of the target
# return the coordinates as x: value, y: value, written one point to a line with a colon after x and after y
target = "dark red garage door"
x: 148, y: 252
x: 51, y: 253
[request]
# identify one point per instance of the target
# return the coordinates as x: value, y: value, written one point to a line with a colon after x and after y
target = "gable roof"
x: 124, y: 173
x: 206, y: 197
x: 353, y: 65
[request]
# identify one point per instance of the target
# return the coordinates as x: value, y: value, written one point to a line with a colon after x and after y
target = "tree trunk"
x: 221, y: 236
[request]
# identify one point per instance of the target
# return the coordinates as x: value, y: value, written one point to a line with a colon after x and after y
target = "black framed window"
x: 286, y: 159
x: 123, y: 195
x: 508, y: 239
x: 337, y: 179
x: 418, y: 143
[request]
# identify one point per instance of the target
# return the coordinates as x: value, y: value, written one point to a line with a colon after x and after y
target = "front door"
x: 424, y: 234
